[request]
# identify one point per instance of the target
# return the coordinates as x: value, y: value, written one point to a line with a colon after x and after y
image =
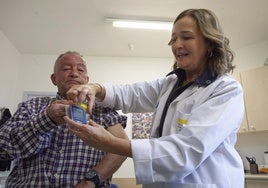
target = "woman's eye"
x: 172, y: 40
x: 187, y: 37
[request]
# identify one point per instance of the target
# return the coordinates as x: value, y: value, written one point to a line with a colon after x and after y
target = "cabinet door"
x: 244, y: 125
x: 255, y: 84
x: 256, y: 183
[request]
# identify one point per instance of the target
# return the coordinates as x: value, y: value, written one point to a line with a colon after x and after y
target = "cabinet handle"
x: 252, y: 128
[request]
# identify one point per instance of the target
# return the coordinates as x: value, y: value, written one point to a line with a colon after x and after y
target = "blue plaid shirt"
x: 47, y: 155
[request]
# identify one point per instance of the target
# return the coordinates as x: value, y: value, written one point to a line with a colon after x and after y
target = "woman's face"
x: 189, y: 46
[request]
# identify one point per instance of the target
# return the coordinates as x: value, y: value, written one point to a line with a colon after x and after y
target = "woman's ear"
x: 209, y: 49
x: 53, y: 79
x: 210, y: 46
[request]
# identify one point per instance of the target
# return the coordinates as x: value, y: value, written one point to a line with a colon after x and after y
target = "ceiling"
x: 55, y: 26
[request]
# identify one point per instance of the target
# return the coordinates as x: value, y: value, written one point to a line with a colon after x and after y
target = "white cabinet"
x: 255, y: 85
x: 256, y: 184
x: 256, y: 181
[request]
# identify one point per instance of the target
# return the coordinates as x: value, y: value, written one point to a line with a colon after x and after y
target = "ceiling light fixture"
x: 141, y: 24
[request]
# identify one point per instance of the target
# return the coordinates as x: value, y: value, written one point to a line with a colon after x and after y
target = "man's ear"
x: 53, y: 79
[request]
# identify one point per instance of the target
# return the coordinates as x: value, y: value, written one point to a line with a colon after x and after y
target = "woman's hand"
x: 96, y: 136
x: 86, y: 92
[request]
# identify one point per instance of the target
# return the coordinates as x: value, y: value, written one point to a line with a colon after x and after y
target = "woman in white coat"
x: 198, y: 109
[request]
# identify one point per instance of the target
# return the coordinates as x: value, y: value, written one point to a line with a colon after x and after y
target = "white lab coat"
x: 199, y: 154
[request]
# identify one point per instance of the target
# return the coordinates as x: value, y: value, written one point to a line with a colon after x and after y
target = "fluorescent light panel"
x: 141, y: 24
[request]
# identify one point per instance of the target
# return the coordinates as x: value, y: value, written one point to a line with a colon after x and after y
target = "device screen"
x: 77, y: 114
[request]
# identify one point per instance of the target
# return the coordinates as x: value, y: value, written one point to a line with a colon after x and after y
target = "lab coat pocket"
x: 181, y: 120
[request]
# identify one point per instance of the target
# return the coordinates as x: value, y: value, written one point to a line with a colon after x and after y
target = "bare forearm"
x: 112, y: 161
x: 120, y: 147
x: 109, y: 165
x: 120, y: 143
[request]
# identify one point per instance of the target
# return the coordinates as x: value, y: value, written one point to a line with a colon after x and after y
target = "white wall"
x: 35, y: 70
x: 251, y: 56
x: 28, y: 72
x: 10, y: 59
x: 252, y: 144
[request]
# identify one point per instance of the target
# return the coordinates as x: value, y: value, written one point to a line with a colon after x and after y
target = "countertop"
x: 256, y: 176
x: 247, y: 176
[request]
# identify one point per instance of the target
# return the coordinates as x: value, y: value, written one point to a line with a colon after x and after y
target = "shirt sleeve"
x: 131, y: 98
x: 27, y: 131
x: 107, y: 117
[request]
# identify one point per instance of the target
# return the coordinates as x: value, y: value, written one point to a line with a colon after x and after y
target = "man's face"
x: 70, y: 70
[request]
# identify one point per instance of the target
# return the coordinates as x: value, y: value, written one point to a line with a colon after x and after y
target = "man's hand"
x: 57, y: 110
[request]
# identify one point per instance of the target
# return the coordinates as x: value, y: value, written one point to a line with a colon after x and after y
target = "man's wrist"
x: 93, y: 176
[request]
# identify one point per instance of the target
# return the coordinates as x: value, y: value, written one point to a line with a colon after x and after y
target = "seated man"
x: 46, y: 154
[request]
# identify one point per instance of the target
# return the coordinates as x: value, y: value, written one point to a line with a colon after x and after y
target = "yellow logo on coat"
x: 182, y: 121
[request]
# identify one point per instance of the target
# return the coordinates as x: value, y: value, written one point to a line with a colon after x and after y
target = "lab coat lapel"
x: 187, y: 93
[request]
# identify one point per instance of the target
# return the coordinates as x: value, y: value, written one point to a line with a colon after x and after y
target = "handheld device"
x: 78, y: 114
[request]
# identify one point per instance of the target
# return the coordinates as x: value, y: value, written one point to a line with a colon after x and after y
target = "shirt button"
x: 208, y: 81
